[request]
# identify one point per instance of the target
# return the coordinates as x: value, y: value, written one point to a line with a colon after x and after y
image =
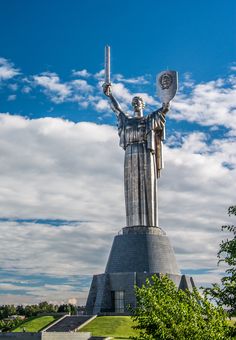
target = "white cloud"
x: 141, y: 80
x: 210, y: 103
x: 52, y: 168
x: 42, y: 248
x: 87, y: 93
x: 100, y: 75
x: 102, y: 105
x: 52, y: 86
x: 233, y: 67
x: 124, y: 96
x: 7, y: 69
x: 82, y: 73
x: 188, y: 81
x: 11, y: 97
x: 42, y: 151
x: 122, y: 92
x: 82, y: 85
x: 26, y: 89
x: 147, y: 99
x: 13, y: 87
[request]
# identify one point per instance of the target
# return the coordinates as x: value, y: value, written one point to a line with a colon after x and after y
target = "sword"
x: 107, y: 65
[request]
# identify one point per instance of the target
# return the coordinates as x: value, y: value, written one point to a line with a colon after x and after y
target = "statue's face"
x: 138, y: 105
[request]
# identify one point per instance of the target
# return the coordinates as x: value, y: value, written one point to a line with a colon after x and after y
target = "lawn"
x: 35, y: 324
x: 232, y: 321
x: 119, y: 327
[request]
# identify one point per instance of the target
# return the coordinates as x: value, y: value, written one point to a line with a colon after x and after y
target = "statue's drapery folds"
x: 141, y: 138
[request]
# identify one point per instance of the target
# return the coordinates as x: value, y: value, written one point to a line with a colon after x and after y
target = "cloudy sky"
x: 61, y: 174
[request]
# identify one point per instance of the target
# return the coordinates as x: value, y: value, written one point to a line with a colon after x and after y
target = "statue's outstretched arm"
x: 156, y: 135
x: 115, y: 106
x: 159, y: 116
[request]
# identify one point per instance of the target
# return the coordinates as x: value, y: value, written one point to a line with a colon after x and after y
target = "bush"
x: 164, y: 312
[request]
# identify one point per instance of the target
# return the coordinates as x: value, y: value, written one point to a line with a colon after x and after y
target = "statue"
x: 141, y: 137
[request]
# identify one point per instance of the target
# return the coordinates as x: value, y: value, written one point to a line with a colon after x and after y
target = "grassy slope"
x: 116, y: 326
x: 36, y: 324
x: 232, y: 322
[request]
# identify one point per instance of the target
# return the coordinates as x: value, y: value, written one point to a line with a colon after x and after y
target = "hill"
x: 119, y: 327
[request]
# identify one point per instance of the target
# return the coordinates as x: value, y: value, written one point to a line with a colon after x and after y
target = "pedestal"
x: 136, y: 254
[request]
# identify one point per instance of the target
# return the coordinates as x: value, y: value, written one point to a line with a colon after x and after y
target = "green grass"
x: 119, y: 327
x: 232, y: 322
x: 35, y: 324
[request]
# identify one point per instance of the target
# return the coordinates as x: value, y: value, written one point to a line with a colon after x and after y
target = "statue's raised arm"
x: 115, y: 106
x: 107, y: 87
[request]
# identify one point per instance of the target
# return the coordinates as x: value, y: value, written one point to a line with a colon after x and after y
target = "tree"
x: 225, y: 294
x: 7, y: 310
x: 64, y: 309
x: 31, y: 310
x: 70, y: 309
x: 45, y: 307
x: 164, y: 312
x: 20, y: 310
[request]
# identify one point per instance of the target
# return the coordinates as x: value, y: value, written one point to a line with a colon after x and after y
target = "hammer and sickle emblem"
x: 166, y: 81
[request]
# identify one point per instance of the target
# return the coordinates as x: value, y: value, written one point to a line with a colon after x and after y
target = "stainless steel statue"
x: 141, y: 137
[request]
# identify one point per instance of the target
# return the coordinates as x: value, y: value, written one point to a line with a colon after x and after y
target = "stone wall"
x: 45, y: 336
x: 65, y: 336
x: 20, y: 336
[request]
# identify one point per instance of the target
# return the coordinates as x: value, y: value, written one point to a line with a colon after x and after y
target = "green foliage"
x: 225, y: 294
x: 7, y: 325
x: 35, y: 324
x: 42, y: 307
x: 70, y: 309
x: 30, y: 311
x: 164, y: 312
x: 7, y: 310
x: 34, y: 310
x: 112, y: 326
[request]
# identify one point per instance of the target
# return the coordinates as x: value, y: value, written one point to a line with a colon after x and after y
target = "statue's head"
x: 138, y: 105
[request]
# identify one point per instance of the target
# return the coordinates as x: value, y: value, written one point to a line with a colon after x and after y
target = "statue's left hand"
x: 165, y: 107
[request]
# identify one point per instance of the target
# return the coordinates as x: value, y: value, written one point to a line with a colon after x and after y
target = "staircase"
x: 69, y: 323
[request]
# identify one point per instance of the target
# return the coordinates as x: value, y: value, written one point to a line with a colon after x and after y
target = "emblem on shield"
x: 167, y: 83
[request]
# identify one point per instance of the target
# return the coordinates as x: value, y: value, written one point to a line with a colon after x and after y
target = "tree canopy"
x: 225, y: 294
x: 165, y: 312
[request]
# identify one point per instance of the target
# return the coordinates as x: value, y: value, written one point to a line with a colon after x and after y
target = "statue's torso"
x: 138, y: 130
x: 132, y: 130
x: 135, y: 131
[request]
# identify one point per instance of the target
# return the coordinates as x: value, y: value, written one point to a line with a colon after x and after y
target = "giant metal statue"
x: 141, y: 137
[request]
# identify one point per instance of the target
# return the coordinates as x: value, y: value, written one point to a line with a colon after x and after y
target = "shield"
x: 167, y: 83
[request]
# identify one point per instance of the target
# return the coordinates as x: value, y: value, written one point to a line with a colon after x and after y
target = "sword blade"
x: 107, y: 65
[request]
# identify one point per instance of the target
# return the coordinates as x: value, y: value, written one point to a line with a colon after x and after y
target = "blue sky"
x: 61, y: 188
x: 146, y: 37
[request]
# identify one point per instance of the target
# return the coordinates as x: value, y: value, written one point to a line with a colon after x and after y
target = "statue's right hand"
x: 107, y: 89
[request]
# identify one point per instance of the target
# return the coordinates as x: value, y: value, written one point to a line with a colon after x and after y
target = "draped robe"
x: 141, y: 138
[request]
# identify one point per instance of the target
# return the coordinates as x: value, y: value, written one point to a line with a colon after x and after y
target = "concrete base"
x: 100, y: 299
x: 136, y: 254
x: 46, y: 336
x: 142, y: 249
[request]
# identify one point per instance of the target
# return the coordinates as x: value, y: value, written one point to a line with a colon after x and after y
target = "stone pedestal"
x: 136, y: 254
